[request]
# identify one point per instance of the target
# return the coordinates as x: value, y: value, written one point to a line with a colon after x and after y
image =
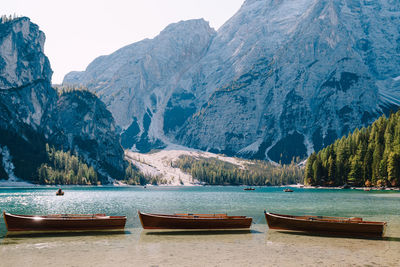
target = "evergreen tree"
x: 355, y: 174
x: 309, y: 173
x: 393, y: 168
x: 331, y: 170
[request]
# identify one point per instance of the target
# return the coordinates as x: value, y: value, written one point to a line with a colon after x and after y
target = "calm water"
x: 374, y: 205
x: 258, y: 247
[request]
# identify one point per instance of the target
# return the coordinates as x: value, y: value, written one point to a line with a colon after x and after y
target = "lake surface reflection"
x: 258, y: 246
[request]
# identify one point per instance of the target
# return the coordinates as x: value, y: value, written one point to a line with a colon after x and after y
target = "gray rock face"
x: 278, y: 80
x: 33, y: 114
x: 25, y: 73
x: 324, y: 79
x: 19, y: 66
x: 137, y: 81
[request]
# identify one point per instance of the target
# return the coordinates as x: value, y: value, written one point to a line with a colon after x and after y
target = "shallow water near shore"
x: 258, y: 246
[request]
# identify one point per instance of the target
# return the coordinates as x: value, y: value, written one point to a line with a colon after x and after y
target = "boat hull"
x: 343, y: 226
x: 19, y: 223
x: 159, y: 221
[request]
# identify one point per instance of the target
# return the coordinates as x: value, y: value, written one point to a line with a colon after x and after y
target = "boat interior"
x: 71, y: 216
x: 328, y: 219
x: 195, y: 215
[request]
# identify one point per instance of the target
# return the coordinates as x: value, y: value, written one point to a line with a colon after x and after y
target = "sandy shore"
x: 258, y: 247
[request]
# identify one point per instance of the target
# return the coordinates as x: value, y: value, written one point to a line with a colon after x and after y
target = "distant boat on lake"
x: 193, y: 221
x: 63, y: 222
x: 249, y: 188
x: 59, y: 192
x: 287, y: 190
x: 325, y: 224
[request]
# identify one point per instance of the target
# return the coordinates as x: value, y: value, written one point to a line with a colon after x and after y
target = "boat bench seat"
x: 321, y: 218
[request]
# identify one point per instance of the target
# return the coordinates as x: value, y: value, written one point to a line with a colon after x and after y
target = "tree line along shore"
x: 368, y: 157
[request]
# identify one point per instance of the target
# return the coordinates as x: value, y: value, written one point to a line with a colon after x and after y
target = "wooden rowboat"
x: 325, y: 224
x: 193, y: 221
x: 249, y: 189
x: 63, y: 222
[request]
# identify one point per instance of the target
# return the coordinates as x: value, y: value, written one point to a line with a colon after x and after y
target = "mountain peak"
x: 24, y: 61
x: 188, y: 26
x: 280, y: 79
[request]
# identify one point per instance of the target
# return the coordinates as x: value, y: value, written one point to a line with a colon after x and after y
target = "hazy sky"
x: 78, y: 31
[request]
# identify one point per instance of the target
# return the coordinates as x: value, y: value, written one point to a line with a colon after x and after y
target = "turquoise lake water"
x: 257, y: 247
x: 373, y: 205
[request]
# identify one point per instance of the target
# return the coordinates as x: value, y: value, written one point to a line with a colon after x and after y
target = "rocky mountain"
x: 137, y: 81
x: 81, y: 122
x: 278, y: 80
x: 32, y: 113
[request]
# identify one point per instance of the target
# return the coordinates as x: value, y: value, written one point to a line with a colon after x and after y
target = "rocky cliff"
x: 81, y: 122
x: 278, y: 80
x: 137, y: 81
x: 333, y: 68
x: 32, y: 113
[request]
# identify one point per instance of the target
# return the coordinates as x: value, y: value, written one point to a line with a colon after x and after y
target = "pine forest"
x: 367, y: 157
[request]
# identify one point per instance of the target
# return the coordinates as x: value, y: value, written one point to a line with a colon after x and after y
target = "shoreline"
x: 22, y: 184
x: 354, y: 188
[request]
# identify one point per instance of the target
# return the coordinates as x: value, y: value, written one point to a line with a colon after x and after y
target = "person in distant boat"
x: 60, y: 192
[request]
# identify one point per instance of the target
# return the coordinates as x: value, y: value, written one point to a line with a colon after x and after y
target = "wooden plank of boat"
x: 325, y: 224
x: 193, y: 221
x: 63, y: 222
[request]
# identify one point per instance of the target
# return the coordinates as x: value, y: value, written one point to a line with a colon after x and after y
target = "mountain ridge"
x: 278, y: 80
x: 158, y: 58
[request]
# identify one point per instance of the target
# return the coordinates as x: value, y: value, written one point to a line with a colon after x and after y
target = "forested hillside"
x: 65, y: 168
x: 217, y: 172
x: 367, y: 157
